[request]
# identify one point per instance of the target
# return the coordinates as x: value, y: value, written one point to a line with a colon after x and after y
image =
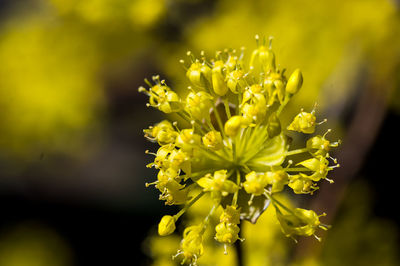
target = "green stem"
x: 297, y: 169
x: 210, y: 125
x: 297, y: 151
x: 219, y: 121
x: 273, y: 201
x: 207, y: 219
x: 285, y: 102
x: 187, y: 206
x: 236, y: 194
x: 239, y: 249
x: 233, y: 151
x: 189, y: 120
x: 227, y: 110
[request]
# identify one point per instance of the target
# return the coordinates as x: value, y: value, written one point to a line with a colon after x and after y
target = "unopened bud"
x: 166, y: 225
x: 295, y: 82
x: 218, y: 79
x: 233, y: 125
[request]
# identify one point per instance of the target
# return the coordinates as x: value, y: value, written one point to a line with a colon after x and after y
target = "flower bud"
x: 233, y: 125
x: 295, y: 82
x: 166, y: 225
x: 218, y: 79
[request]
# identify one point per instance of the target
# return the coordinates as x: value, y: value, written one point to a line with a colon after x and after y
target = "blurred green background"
x: 72, y: 162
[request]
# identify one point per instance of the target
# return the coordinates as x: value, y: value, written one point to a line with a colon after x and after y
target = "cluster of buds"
x: 233, y: 147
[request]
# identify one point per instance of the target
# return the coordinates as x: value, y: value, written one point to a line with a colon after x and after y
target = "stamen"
x: 323, y: 121
x: 329, y: 180
x: 328, y: 131
x: 156, y: 78
x: 180, y: 252
x: 316, y: 237
x: 148, y: 82
x: 324, y: 226
x: 190, y: 54
x: 218, y: 55
x: 334, y: 166
x: 330, y: 157
x: 314, y: 108
x: 148, y: 152
x: 152, y: 183
x: 251, y: 199
x: 336, y: 143
x: 142, y: 89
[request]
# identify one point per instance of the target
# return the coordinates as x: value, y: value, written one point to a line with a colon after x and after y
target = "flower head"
x: 300, y: 222
x: 230, y: 143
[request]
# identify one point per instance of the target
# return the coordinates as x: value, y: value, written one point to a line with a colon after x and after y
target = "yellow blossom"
x: 235, y: 150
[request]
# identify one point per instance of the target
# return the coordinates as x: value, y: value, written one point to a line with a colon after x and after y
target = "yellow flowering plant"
x: 232, y: 146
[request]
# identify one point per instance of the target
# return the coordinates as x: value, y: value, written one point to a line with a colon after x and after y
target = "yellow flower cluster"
x: 233, y: 146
